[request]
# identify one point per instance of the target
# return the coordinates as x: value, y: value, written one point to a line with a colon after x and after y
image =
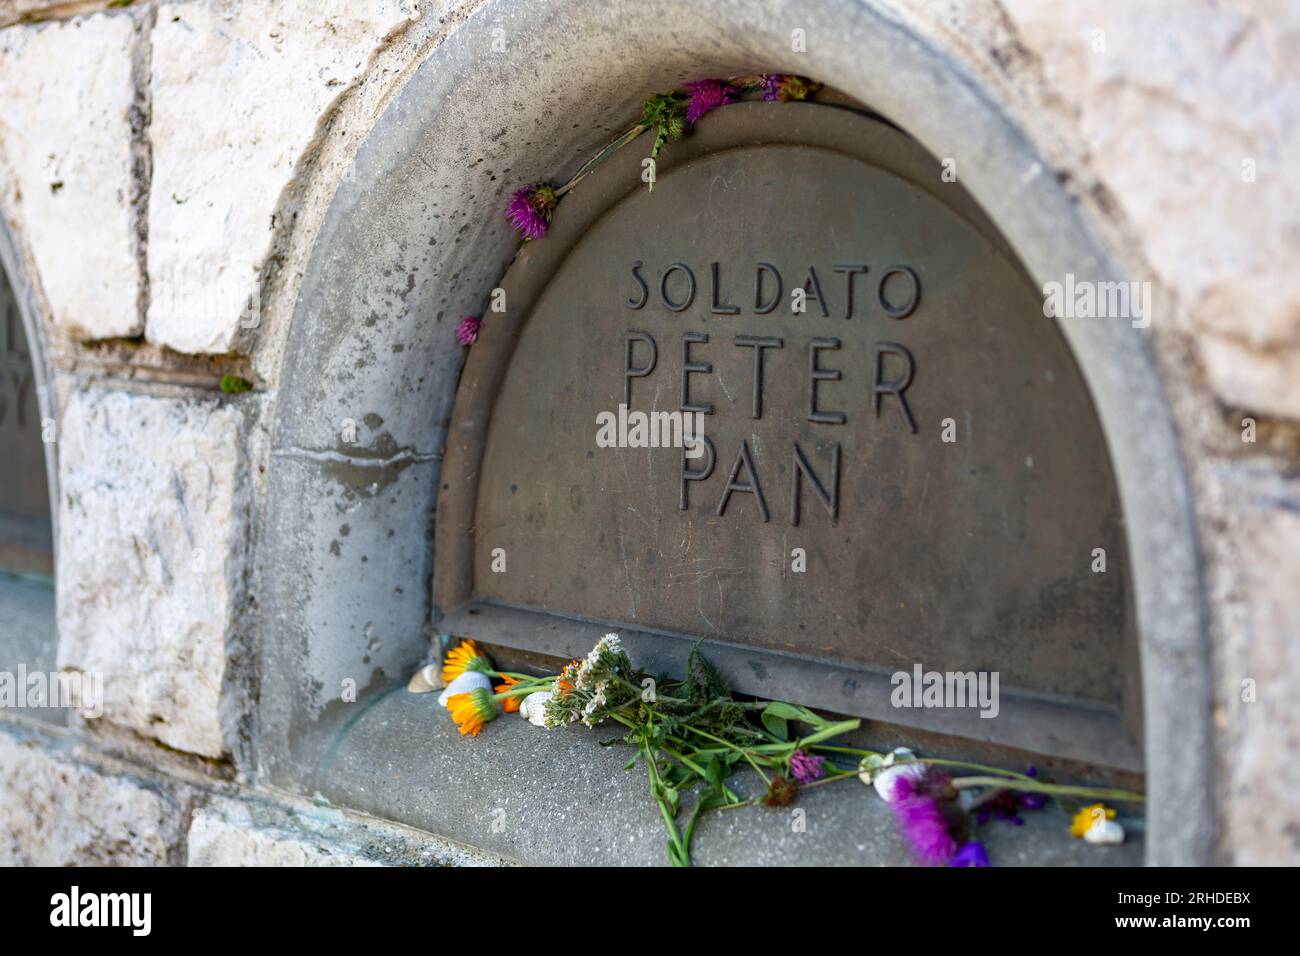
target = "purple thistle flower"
x: 530, y: 209
x: 806, y: 767
x: 707, y: 95
x: 922, y: 820
x: 467, y: 330
x: 971, y: 854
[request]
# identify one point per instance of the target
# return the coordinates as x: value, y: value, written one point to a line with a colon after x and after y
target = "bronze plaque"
x: 901, y: 467
x: 25, y: 539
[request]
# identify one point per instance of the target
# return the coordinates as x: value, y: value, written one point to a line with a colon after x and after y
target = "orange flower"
x: 465, y: 656
x: 471, y: 711
x: 564, y: 682
x: 509, y: 704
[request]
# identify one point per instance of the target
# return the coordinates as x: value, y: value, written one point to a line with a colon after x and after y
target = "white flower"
x: 597, y: 701
x: 607, y: 645
x: 466, y: 682
x: 883, y: 772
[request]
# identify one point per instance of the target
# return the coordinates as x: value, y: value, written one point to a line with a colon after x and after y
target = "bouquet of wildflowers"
x: 693, y: 738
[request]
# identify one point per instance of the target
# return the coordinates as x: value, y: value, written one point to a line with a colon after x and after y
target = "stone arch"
x: 414, y: 239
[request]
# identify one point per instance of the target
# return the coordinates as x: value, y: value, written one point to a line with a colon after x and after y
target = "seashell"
x: 885, y: 779
x: 466, y: 682
x: 427, y: 678
x: 533, y: 707
x: 1105, y: 833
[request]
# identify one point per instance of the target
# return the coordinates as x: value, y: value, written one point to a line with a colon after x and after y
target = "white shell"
x: 466, y: 682
x: 1105, y: 833
x: 425, y: 680
x: 533, y: 707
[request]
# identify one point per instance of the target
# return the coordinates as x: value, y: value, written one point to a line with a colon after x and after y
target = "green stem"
x: 531, y: 678
x: 937, y: 761
x: 681, y: 856
x: 1028, y: 785
x: 1052, y: 789
x: 614, y: 146
x: 727, y: 743
x: 686, y: 761
x: 830, y: 730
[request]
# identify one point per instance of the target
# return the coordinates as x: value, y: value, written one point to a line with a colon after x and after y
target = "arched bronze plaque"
x: 902, y: 471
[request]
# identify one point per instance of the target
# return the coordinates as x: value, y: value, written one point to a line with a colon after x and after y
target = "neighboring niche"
x: 27, y: 630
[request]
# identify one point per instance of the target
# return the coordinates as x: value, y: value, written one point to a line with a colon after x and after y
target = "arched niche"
x: 414, y: 239
x: 28, y: 482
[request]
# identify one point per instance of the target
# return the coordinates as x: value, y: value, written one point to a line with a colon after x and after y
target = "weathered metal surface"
x: 25, y: 539
x: 829, y: 536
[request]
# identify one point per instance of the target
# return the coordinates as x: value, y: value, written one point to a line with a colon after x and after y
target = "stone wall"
x: 165, y: 169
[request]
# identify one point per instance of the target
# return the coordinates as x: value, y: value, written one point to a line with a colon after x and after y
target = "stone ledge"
x: 55, y: 811
x: 27, y: 635
x: 253, y: 831
x: 559, y: 798
x: 64, y: 801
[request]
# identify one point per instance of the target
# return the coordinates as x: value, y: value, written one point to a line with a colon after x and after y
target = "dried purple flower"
x: 530, y: 209
x: 707, y: 95
x: 1008, y: 804
x: 780, y: 792
x: 786, y: 87
x: 467, y: 330
x: 971, y: 854
x: 807, y: 767
x: 923, y: 822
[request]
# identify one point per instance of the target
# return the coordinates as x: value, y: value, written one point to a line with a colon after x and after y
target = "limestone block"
x: 150, y: 560
x: 1189, y: 113
x: 66, y: 94
x: 239, y: 94
x: 1259, y: 380
x: 55, y: 812
x: 1259, y: 662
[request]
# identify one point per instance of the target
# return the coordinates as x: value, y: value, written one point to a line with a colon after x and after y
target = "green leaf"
x: 713, y: 772
x: 776, y: 717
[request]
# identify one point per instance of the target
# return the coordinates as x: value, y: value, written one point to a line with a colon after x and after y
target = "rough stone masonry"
x: 164, y: 171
